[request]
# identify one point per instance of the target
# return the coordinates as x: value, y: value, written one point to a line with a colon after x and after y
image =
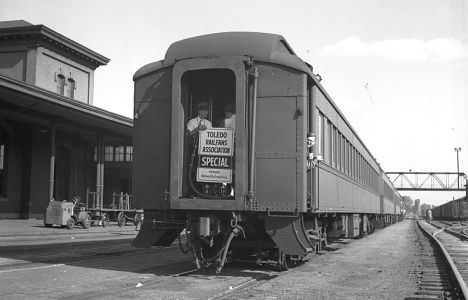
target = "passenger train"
x: 291, y: 173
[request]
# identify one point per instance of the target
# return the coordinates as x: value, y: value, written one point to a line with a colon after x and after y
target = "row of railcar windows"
x: 339, y: 153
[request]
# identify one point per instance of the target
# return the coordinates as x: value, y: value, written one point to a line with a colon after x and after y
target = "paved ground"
x: 381, y: 266
x: 33, y: 232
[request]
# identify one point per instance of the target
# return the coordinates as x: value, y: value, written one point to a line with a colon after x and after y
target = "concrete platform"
x: 33, y: 231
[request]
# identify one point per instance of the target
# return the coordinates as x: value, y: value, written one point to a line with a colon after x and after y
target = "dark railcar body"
x: 287, y: 192
x: 453, y: 210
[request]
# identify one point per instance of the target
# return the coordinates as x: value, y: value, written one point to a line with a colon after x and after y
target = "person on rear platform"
x: 194, y: 126
x: 199, y: 123
x: 230, y: 117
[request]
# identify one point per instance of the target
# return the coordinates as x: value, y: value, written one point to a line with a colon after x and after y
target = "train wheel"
x: 121, y: 219
x: 86, y: 222
x: 105, y: 220
x: 282, y: 262
x: 70, y: 223
x: 137, y: 219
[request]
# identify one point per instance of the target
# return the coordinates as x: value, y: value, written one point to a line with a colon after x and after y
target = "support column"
x: 99, y: 171
x: 101, y: 193
x: 53, y: 128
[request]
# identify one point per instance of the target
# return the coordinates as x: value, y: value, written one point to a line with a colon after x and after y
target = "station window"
x: 71, y: 88
x: 109, y: 153
x: 208, y: 101
x: 61, y: 84
x: 128, y: 153
x: 119, y: 153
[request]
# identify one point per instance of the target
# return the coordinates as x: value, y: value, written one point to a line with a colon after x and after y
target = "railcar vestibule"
x: 208, y: 174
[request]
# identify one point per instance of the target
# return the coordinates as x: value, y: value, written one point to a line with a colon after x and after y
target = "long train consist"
x: 453, y: 210
x: 291, y: 172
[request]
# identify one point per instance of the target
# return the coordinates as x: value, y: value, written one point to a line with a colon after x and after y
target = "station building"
x: 54, y: 144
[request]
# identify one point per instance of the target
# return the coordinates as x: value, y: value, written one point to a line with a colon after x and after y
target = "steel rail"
x: 461, y: 282
x: 129, y: 287
x: 227, y: 294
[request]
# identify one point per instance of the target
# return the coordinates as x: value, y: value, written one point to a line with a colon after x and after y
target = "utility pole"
x: 458, y: 167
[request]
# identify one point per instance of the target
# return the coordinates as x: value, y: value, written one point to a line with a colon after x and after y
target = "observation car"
x: 293, y: 170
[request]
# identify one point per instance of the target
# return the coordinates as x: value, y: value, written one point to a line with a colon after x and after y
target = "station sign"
x: 215, y: 155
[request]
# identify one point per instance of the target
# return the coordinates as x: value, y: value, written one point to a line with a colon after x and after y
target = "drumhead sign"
x: 215, y: 153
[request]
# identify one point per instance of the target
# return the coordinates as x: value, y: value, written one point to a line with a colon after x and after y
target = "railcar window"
x: 348, y: 167
x: 320, y: 134
x: 343, y: 153
x: 208, y: 101
x: 354, y: 164
x: 366, y: 173
x: 330, y: 143
x: 338, y: 150
x: 3, y: 168
x: 345, y: 156
x: 359, y: 167
x: 334, y: 146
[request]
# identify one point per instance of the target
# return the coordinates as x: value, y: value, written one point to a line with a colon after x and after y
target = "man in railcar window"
x: 199, y: 123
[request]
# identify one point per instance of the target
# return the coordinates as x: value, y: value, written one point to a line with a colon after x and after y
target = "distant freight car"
x: 237, y: 142
x: 453, y: 210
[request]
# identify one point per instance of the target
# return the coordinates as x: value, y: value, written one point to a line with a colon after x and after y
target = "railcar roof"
x: 264, y: 47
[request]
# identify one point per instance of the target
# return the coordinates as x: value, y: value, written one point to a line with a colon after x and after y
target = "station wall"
x: 50, y: 65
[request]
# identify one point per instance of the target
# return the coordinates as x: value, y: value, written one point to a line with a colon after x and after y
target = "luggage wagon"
x: 119, y: 209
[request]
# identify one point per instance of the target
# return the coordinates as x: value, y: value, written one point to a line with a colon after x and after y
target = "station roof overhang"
x: 11, y: 32
x: 23, y: 102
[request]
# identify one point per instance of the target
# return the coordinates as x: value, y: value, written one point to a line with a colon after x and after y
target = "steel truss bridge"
x: 429, y: 181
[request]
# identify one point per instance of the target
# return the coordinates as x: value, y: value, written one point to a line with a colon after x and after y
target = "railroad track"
x: 235, y: 278
x: 174, y: 278
x: 242, y: 286
x: 444, y: 265
x: 33, y: 257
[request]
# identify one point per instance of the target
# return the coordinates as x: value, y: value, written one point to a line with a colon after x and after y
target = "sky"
x: 398, y: 70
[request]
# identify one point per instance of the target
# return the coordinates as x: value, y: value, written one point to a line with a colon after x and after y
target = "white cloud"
x: 438, y: 50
